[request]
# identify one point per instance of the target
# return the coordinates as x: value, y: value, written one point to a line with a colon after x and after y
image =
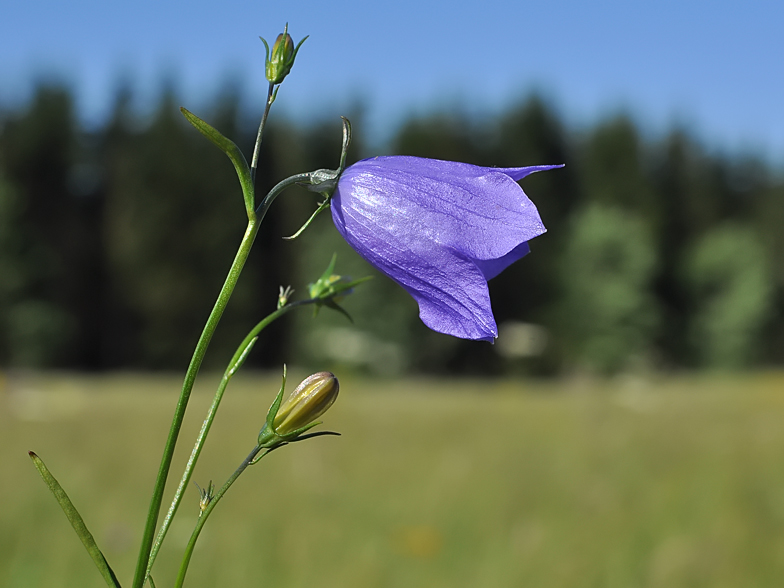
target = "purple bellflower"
x: 440, y: 229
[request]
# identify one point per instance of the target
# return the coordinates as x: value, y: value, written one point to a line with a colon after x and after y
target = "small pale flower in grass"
x: 440, y: 229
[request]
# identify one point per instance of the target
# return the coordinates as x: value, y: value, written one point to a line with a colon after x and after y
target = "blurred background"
x: 118, y: 222
x: 632, y: 403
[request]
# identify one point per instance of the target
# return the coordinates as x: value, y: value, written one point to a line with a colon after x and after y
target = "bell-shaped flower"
x: 440, y: 229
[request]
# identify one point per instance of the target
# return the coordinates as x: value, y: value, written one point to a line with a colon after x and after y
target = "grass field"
x: 630, y: 483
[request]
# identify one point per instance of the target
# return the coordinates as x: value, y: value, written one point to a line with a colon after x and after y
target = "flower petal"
x: 451, y: 291
x: 490, y: 268
x: 480, y: 212
x: 518, y: 173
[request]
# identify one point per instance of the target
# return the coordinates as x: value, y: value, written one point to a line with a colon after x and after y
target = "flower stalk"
x: 187, y: 387
x: 236, y: 362
x: 196, y: 361
x: 285, y: 423
x: 205, y: 514
x: 255, y: 217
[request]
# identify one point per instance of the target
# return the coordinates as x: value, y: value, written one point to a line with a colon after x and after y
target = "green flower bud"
x: 280, y: 60
x: 306, y: 403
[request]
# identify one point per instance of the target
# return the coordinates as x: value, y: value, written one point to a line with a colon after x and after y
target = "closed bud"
x: 281, y: 59
x: 306, y: 403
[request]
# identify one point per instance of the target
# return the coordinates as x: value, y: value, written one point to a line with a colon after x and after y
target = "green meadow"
x: 632, y: 482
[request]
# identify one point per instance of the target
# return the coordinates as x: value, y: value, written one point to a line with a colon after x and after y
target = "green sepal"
x: 280, y: 59
x: 346, y: 143
x: 335, y: 306
x: 300, y: 437
x: 259, y: 457
x: 76, y: 522
x: 297, y: 432
x: 330, y: 268
x: 273, y: 410
x: 268, y: 436
x: 314, y: 435
x: 318, y: 211
x: 327, y: 290
x: 266, y: 48
x: 233, y: 152
x: 325, y: 181
x: 343, y: 286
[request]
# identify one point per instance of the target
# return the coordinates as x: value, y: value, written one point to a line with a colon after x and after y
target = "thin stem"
x: 254, y: 222
x: 205, y: 428
x: 182, y: 403
x: 206, y: 513
x: 193, y: 369
x: 261, y: 209
x: 255, y: 161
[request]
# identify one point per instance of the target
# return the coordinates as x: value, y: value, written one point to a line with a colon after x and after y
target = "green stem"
x: 198, y: 356
x: 261, y: 209
x: 182, y: 403
x: 206, y: 513
x: 205, y: 428
x: 254, y: 222
x: 255, y: 161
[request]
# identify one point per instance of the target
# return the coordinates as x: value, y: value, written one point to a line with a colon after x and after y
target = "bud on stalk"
x: 280, y: 60
x: 297, y: 413
x: 307, y: 402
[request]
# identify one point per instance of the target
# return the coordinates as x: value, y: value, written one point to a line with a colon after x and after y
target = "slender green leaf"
x: 76, y: 522
x: 229, y: 148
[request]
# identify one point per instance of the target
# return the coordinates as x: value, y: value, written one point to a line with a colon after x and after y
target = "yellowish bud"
x: 307, y: 402
x: 280, y: 59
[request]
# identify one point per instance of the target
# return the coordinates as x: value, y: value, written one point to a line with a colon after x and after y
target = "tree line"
x: 660, y: 253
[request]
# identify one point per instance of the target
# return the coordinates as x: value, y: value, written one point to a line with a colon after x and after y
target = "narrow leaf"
x: 241, y: 359
x: 229, y: 148
x: 76, y: 522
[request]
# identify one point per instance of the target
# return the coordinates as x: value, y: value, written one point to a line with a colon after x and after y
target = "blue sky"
x: 714, y: 66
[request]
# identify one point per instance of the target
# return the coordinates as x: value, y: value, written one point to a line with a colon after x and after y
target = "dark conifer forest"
x: 662, y: 253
